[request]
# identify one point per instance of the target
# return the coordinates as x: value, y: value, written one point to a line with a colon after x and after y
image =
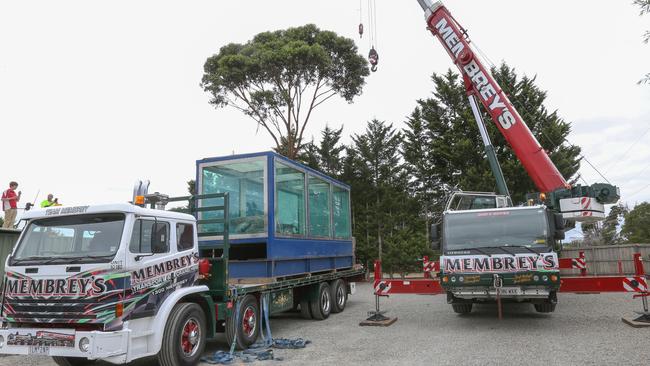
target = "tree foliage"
x: 611, y: 224
x: 386, y: 221
x: 327, y: 155
x: 191, y: 189
x: 606, y: 232
x: 636, y: 228
x: 443, y: 149
x: 279, y: 78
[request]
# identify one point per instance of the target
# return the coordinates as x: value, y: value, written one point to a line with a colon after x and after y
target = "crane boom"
x: 481, y: 84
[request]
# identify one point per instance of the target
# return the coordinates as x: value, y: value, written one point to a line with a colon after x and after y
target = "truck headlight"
x: 545, y: 278
x: 84, y: 344
x: 461, y: 279
x: 535, y: 278
x: 453, y: 279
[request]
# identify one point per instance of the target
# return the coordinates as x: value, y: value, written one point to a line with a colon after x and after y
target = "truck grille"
x: 50, y: 310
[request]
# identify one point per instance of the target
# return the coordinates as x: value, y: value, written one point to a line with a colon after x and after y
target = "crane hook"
x: 360, y: 30
x: 373, y: 58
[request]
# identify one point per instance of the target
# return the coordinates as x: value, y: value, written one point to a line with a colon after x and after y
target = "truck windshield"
x: 495, y: 228
x: 83, y: 238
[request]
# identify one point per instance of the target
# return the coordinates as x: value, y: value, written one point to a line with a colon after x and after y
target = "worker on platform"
x: 50, y: 201
x: 10, y: 204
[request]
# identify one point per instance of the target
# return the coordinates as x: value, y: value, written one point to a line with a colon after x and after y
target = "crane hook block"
x: 373, y: 58
x: 360, y: 30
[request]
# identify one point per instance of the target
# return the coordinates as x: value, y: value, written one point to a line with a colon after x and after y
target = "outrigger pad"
x: 378, y: 320
x: 640, y: 322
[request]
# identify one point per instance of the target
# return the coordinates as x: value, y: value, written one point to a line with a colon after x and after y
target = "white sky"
x: 94, y: 95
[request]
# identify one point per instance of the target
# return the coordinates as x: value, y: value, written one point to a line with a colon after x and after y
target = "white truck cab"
x: 104, y: 282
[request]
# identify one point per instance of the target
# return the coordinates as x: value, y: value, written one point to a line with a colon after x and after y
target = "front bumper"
x: 101, y: 344
x: 516, y: 285
x: 491, y: 293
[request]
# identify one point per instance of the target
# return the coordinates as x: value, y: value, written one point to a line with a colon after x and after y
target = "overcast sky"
x: 94, y: 95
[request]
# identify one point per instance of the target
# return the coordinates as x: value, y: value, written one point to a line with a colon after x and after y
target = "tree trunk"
x: 379, y: 238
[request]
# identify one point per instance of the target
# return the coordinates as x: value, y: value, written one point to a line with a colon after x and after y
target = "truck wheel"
x: 545, y: 307
x: 305, y: 309
x: 462, y: 308
x: 72, y: 361
x: 184, y: 336
x: 246, y: 331
x: 339, y: 295
x: 321, y: 308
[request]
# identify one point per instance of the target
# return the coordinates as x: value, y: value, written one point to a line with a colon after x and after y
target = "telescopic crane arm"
x: 481, y: 85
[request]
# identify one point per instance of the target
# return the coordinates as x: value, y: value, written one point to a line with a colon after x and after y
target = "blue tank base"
x: 274, y: 268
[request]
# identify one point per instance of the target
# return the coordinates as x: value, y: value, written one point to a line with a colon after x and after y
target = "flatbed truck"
x: 120, y: 282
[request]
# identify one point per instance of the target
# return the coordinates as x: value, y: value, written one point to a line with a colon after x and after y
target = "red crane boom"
x: 481, y: 84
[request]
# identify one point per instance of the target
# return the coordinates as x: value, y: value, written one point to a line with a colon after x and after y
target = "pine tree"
x: 329, y: 151
x: 385, y: 217
x: 443, y: 149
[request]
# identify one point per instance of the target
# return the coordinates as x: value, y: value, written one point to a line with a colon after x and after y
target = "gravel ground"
x: 584, y: 330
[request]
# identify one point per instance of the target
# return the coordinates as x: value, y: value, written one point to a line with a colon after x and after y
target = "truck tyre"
x: 184, y: 336
x: 247, y: 329
x: 545, y: 307
x: 322, y: 307
x: 462, y: 307
x: 305, y: 309
x: 339, y: 295
x: 72, y: 361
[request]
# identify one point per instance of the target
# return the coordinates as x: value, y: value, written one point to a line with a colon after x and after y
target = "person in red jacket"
x: 10, y: 204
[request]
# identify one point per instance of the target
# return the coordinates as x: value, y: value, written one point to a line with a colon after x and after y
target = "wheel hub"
x: 249, y: 321
x: 190, y: 337
x: 325, y: 301
x: 340, y: 297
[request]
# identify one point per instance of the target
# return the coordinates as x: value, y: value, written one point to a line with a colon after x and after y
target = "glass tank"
x: 244, y: 181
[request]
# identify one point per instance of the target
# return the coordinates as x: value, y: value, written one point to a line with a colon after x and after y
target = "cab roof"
x: 103, y: 208
x: 516, y: 208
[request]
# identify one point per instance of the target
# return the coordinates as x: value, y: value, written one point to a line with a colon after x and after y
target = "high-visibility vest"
x: 46, y: 203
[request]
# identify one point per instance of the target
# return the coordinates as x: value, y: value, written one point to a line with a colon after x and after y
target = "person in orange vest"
x: 10, y: 204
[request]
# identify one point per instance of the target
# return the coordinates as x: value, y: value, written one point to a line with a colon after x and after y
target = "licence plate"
x: 511, y: 291
x: 39, y: 350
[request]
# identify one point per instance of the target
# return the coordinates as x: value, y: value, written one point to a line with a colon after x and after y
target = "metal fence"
x: 8, y: 238
x: 607, y: 259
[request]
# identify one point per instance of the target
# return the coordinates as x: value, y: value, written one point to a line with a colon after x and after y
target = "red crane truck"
x: 491, y: 250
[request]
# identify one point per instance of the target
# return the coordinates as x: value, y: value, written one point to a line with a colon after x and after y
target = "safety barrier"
x: 635, y: 282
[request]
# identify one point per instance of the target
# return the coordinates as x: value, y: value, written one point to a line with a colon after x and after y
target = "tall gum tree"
x: 279, y: 78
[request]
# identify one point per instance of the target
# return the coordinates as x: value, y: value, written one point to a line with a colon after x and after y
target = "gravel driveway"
x: 584, y: 330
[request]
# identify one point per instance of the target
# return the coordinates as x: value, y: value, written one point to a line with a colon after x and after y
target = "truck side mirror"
x: 559, y: 227
x: 435, y: 238
x: 559, y: 221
